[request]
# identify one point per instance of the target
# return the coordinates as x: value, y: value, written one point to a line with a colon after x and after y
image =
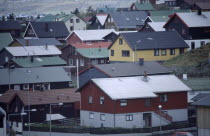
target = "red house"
x: 130, y: 102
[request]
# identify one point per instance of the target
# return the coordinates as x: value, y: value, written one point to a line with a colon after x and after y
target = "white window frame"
x: 123, y: 102
x: 16, y: 87
x: 172, y: 51
x: 82, y: 62
x: 90, y: 99
x: 6, y: 59
x: 102, y: 117
x: 91, y: 115
x: 156, y: 52
x: 102, y: 61
x: 71, y: 62
x: 30, y: 31
x: 163, y: 98
x: 129, y: 117
x: 203, y: 43
x: 102, y: 100
x: 26, y: 87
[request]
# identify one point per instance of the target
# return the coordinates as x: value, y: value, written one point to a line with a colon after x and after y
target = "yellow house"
x: 151, y: 46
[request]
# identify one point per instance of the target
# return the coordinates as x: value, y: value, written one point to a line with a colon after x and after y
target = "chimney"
x: 27, y: 43
x: 46, y: 47
x: 99, y: 48
x: 145, y: 78
x: 46, y: 27
x: 199, y: 12
x: 32, y: 59
x: 184, y: 77
x: 141, y: 61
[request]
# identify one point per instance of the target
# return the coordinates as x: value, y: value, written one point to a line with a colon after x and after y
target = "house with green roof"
x: 32, y: 61
x: 5, y: 40
x: 72, y: 21
x: 142, y: 6
x: 167, y: 12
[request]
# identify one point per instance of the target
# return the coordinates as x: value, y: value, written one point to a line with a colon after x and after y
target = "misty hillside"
x: 34, y: 7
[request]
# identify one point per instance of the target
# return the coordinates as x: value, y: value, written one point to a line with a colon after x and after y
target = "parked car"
x: 182, y: 134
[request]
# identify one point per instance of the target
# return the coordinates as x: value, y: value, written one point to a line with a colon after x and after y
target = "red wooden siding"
x: 73, y: 39
x: 176, y: 100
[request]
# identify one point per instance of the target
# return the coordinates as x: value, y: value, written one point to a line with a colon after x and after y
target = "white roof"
x: 135, y: 87
x: 101, y: 18
x: 157, y: 26
x: 192, y: 19
x: 90, y: 35
x: 33, y: 50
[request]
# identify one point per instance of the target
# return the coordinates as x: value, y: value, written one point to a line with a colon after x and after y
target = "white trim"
x: 27, y: 29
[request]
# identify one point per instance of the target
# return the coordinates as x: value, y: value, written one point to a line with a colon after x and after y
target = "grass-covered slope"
x: 194, y: 62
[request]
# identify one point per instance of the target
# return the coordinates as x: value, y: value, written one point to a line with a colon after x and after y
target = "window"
x: 71, y: 20
x: 16, y: 124
x: 120, y: 41
x: 90, y: 99
x: 183, y: 31
x: 192, y: 45
x: 112, y: 52
x: 102, y: 61
x: 181, y: 51
x: 6, y: 59
x: 156, y: 52
x: 129, y: 117
x: 172, y: 51
x: 82, y: 62
x: 30, y: 31
x: 16, y: 87
x: 163, y: 98
x: 91, y: 115
x: 125, y: 53
x: 147, y: 102
x: 46, y: 86
x: 163, y: 52
x: 147, y: 26
x: 102, y: 117
x: 123, y: 102
x: 94, y: 62
x: 202, y: 43
x: 71, y: 62
x: 25, y: 87
x: 101, y: 100
x: 77, y: 20
x: 71, y: 28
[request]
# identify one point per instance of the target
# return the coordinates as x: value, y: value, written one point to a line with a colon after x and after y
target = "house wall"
x: 197, y: 43
x: 148, y: 55
x: 146, y: 28
x: 77, y: 26
x: 203, y: 120
x: 27, y: 34
x: 203, y: 132
x: 73, y: 39
x: 3, y: 54
x: 109, y: 23
x: 119, y: 120
x: 15, y: 43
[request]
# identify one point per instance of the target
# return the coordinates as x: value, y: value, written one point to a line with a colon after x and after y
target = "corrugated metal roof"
x: 37, y: 75
x: 195, y: 20
x: 39, y: 61
x: 144, y: 6
x: 157, y: 26
x: 200, y: 96
x: 42, y: 97
x: 167, y: 12
x: 91, y: 35
x: 159, y: 18
x: 128, y: 19
x: 40, y: 42
x: 33, y: 50
x: 94, y: 52
x: 5, y: 40
x: 198, y: 84
x: 203, y: 102
x: 10, y: 25
x: 135, y: 87
x: 47, y: 18
x: 133, y: 69
x: 92, y: 45
x: 154, y: 40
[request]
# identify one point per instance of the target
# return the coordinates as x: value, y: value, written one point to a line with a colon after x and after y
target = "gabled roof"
x: 39, y: 61
x: 106, y: 10
x: 200, y: 96
x: 67, y: 95
x: 92, y: 45
x: 167, y: 12
x: 39, y: 42
x: 55, y: 29
x: 137, y: 87
x: 5, y: 40
x: 203, y: 102
x: 198, y: 84
x: 159, y: 18
x: 128, y: 19
x: 193, y: 19
x: 154, y: 40
x: 144, y: 6
x: 91, y: 35
x: 36, y: 75
x: 101, y: 18
x: 10, y: 25
x: 192, y: 2
x: 157, y: 26
x: 94, y: 52
x: 133, y: 69
x: 47, y: 18
x: 203, y: 5
x: 33, y: 50
x: 50, y: 17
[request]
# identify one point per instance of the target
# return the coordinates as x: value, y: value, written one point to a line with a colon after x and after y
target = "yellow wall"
x: 148, y: 55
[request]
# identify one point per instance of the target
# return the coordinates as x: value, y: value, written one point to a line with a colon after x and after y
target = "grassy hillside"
x: 194, y: 62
